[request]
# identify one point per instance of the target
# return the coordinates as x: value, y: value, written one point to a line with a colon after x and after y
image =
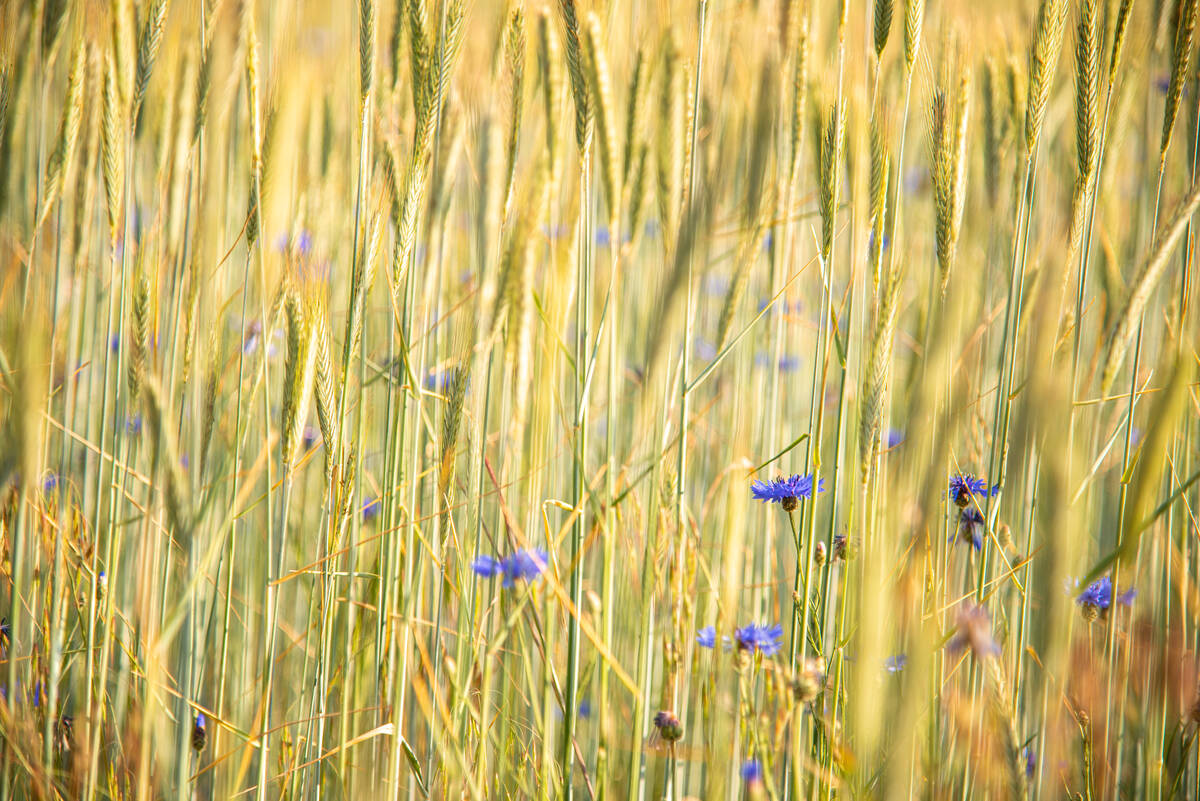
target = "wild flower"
x: 706, y: 637
x: 895, y: 663
x: 766, y: 640
x: 523, y: 565
x: 965, y: 486
x: 971, y: 527
x: 668, y: 726
x: 752, y: 772
x: 808, y: 679
x: 64, y: 731
x: 705, y: 350
x: 843, y: 548
x: 1097, y: 598
x: 309, y: 437
x: 973, y: 631
x: 786, y: 492
x: 199, y: 732
x: 786, y: 364
x: 371, y: 509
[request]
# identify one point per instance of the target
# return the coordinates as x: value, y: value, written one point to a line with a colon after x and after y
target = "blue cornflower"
x: 963, y: 486
x: 785, y: 491
x: 50, y: 483
x: 789, y: 364
x: 706, y: 637
x: 309, y: 437
x: 252, y: 336
x: 304, y: 242
x: 871, y: 240
x: 705, y: 350
x: 585, y: 708
x: 894, y: 437
x: 438, y: 379
x: 134, y: 424
x: 371, y: 509
x: 970, y: 528
x: 786, y: 364
x: 752, y: 771
x: 715, y: 284
x: 974, y: 631
x: 603, y: 236
x: 782, y: 306
x: 486, y: 566
x: 1030, y: 761
x: 200, y: 732
x: 767, y: 640
x: 1097, y: 597
x: 895, y: 664
x: 522, y: 565
x: 668, y: 725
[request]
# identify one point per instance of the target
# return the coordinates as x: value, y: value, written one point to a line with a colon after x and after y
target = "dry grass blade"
x: 1144, y: 285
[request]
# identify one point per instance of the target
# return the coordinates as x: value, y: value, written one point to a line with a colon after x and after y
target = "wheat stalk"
x: 113, y: 137
x: 1087, y: 88
x: 600, y: 89
x: 949, y: 115
x: 149, y: 40
x: 883, y: 25
x: 1182, y: 53
x: 68, y: 131
x: 1043, y: 58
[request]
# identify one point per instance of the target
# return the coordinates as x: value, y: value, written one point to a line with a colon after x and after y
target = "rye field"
x: 599, y: 400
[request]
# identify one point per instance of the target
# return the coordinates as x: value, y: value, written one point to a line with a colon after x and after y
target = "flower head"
x: 522, y: 565
x: 964, y: 486
x: 808, y: 679
x: 974, y: 631
x: 1097, y: 597
x: 752, y: 771
x: 668, y: 726
x: 1030, y: 761
x: 64, y: 733
x: 767, y: 640
x: 371, y: 509
x: 309, y: 438
x: 785, y: 491
x: 706, y: 637
x: 896, y: 663
x: 971, y: 526
x: 200, y: 732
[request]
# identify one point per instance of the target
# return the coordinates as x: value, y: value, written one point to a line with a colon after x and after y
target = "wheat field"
x: 599, y: 399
